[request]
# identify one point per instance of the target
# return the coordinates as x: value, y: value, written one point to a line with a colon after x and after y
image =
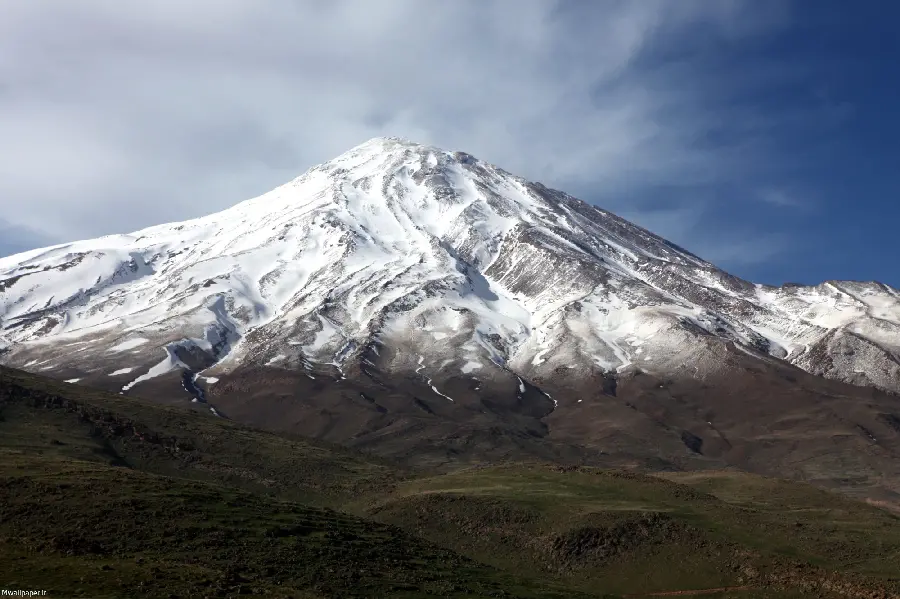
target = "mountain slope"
x: 418, y: 260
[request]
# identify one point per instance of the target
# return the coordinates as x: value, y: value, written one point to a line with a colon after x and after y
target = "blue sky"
x: 759, y: 134
x: 822, y: 197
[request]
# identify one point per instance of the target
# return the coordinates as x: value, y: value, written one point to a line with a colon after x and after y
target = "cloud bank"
x: 118, y: 115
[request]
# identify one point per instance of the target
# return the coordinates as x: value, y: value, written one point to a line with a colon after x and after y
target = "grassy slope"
x: 78, y: 528
x: 102, y: 496
x: 101, y: 493
x: 628, y: 533
x: 184, y: 442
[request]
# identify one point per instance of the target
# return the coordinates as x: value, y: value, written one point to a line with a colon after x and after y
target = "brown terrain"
x: 759, y: 414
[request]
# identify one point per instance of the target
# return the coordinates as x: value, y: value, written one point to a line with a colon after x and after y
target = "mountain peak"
x: 391, y: 139
x: 385, y: 144
x: 393, y: 145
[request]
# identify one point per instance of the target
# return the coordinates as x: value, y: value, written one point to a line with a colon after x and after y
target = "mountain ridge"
x: 334, y: 260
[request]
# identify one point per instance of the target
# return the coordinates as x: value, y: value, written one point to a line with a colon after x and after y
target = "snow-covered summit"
x: 407, y: 258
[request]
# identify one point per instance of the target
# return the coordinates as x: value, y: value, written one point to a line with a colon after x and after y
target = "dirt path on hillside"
x: 690, y: 592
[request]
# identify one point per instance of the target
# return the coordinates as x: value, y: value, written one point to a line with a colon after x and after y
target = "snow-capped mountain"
x: 403, y: 259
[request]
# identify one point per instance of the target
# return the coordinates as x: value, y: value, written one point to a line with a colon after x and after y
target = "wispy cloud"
x: 782, y: 198
x: 118, y: 115
x: 733, y: 247
x: 745, y: 249
x: 15, y: 239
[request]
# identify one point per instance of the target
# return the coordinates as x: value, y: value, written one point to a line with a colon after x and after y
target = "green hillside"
x: 107, y: 496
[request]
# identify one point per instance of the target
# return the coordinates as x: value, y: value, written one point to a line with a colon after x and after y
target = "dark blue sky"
x: 830, y: 81
x: 760, y: 134
x: 810, y: 108
x: 852, y: 165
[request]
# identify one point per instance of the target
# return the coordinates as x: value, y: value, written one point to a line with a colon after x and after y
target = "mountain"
x: 446, y: 262
x: 425, y: 303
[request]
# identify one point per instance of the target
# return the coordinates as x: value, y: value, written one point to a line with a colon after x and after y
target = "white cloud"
x: 781, y: 198
x: 118, y: 115
x: 741, y: 249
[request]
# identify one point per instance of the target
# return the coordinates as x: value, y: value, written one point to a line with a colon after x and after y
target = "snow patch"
x: 433, y: 388
x: 170, y: 363
x: 129, y: 344
x: 470, y: 366
x: 550, y: 397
